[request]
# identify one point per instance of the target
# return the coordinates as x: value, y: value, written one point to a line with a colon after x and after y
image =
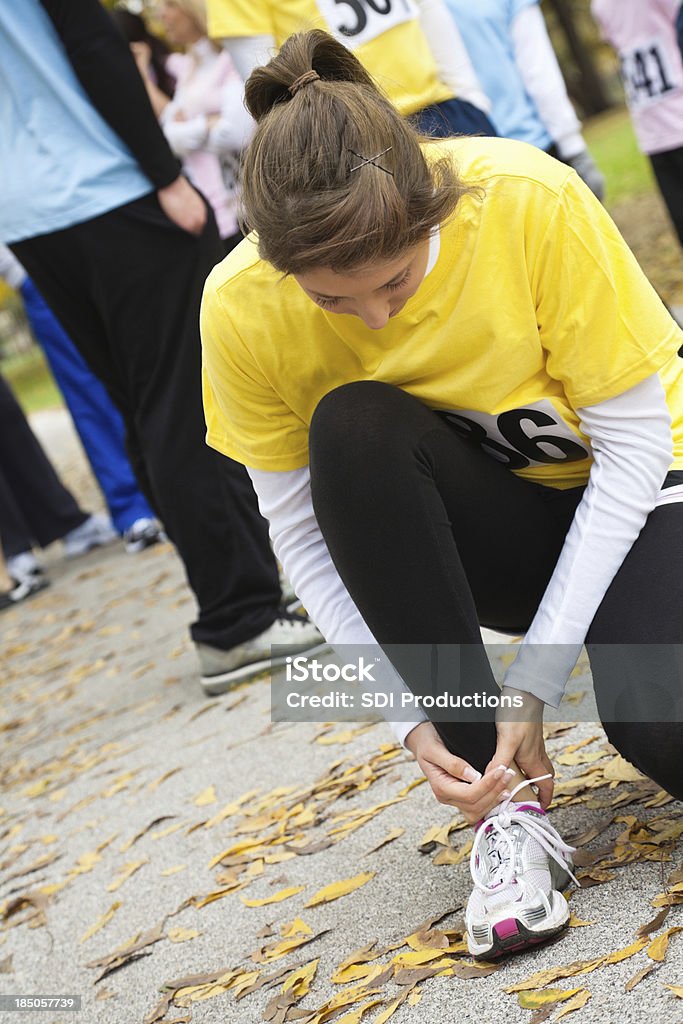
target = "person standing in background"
x: 412, y: 49
x: 146, y: 46
x: 96, y: 419
x: 509, y: 46
x: 36, y: 508
x: 205, y: 122
x: 119, y: 244
x: 644, y: 34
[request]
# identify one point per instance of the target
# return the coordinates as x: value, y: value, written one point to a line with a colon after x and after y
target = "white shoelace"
x: 545, y: 834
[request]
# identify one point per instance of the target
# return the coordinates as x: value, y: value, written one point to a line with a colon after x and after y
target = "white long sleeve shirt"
x: 542, y: 77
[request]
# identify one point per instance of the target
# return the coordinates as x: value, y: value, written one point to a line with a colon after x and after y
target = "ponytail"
x: 311, y: 187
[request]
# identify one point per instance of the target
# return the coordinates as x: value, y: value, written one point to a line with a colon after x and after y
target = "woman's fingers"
x: 459, y: 768
x: 545, y: 792
x: 472, y: 799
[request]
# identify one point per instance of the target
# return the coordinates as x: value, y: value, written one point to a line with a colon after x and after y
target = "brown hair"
x: 300, y: 192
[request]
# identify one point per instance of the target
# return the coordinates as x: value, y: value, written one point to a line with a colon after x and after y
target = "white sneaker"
x: 518, y: 863
x: 23, y: 589
x: 93, y: 533
x: 221, y: 670
x: 25, y: 567
x: 143, y: 534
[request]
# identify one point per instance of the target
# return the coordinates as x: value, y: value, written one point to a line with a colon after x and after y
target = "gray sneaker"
x: 93, y: 533
x: 221, y: 670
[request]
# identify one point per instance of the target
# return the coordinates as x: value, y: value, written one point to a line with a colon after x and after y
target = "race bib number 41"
x: 355, y: 22
x: 647, y: 74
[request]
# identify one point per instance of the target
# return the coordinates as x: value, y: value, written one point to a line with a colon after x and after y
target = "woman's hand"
x: 520, y: 741
x: 183, y: 205
x: 452, y: 779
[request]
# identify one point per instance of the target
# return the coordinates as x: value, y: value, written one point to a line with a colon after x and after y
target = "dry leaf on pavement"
x: 336, y: 890
x: 277, y: 897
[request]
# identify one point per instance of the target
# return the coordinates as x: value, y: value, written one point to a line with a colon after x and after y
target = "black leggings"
x: 432, y: 537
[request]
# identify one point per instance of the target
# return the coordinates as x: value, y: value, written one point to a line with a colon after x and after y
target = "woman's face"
x: 374, y: 293
x: 181, y: 28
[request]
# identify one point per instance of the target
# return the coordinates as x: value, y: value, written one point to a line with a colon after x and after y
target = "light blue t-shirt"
x: 60, y: 162
x: 485, y: 28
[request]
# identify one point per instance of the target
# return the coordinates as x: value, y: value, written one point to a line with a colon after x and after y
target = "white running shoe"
x: 518, y: 863
x: 93, y: 533
x: 25, y: 567
x: 23, y: 589
x: 221, y: 670
x: 143, y: 534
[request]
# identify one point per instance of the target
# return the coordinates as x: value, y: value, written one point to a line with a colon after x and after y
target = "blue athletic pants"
x: 95, y: 417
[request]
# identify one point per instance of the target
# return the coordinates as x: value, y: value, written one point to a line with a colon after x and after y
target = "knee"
x: 362, y: 413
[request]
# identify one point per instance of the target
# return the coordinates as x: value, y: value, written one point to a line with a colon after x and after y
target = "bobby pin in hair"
x: 371, y: 160
x: 302, y: 80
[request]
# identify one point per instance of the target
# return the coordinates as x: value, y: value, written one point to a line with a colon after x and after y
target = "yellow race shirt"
x: 535, y: 308
x: 385, y: 35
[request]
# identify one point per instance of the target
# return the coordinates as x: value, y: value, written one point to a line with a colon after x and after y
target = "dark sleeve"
x: 107, y: 71
x: 679, y: 29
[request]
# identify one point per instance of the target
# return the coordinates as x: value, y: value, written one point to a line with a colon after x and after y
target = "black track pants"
x: 35, y: 506
x: 433, y: 537
x: 127, y: 286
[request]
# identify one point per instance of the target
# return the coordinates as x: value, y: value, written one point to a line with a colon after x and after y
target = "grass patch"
x: 613, y: 144
x: 30, y: 378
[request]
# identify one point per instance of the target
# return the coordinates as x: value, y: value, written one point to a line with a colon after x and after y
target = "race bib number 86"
x: 355, y: 22
x: 520, y: 438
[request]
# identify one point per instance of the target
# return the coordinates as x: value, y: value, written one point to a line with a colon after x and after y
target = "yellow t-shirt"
x: 385, y: 35
x: 535, y: 308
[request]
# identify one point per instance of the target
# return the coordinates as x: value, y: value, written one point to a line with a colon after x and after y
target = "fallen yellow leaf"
x: 575, y: 922
x: 338, y: 889
x: 628, y: 951
x: 416, y: 959
x: 579, y: 1000
x: 295, y: 927
x: 125, y: 873
x: 355, y: 1016
x: 657, y: 949
x: 395, y: 833
x: 620, y: 770
x: 208, y: 796
x: 551, y: 974
x: 182, y: 934
x: 536, y: 999
x: 299, y: 982
x: 278, y: 897
x: 101, y: 922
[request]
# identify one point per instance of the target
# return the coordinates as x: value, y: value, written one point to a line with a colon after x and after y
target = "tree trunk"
x: 594, y: 98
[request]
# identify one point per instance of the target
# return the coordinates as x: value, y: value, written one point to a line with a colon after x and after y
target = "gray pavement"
x: 122, y: 786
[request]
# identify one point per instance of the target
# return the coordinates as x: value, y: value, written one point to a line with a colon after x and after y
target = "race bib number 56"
x: 355, y: 22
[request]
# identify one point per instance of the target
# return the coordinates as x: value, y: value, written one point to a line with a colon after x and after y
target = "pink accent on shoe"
x: 531, y: 807
x: 504, y: 929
